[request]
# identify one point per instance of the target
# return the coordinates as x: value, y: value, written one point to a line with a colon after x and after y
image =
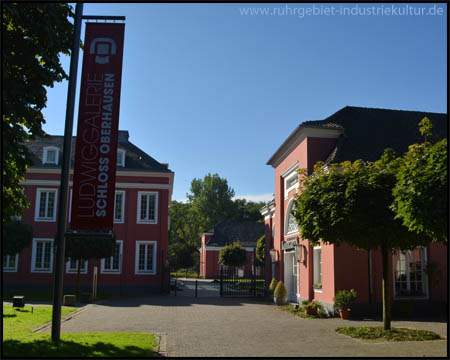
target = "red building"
x: 143, y: 193
x: 225, y: 233
x: 319, y: 272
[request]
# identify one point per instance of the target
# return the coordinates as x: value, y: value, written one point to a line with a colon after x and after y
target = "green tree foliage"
x: 233, y: 255
x: 85, y: 248
x: 182, y: 255
x: 260, y: 251
x: 33, y: 35
x: 421, y: 192
x: 16, y: 236
x: 247, y: 210
x: 184, y: 224
x: 351, y: 204
x: 211, y: 200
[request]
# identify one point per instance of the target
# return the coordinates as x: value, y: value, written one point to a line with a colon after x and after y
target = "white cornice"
x: 290, y: 170
x: 122, y: 185
x: 300, y: 134
x: 218, y: 248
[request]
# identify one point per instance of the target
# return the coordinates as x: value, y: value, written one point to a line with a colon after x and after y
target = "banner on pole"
x: 98, y: 124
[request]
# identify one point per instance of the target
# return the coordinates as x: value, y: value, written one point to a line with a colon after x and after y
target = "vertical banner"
x: 98, y: 124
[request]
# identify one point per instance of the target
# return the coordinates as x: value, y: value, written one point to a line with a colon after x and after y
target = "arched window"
x: 290, y: 224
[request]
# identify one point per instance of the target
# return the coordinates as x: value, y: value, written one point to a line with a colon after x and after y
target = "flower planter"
x: 280, y: 300
x: 344, y: 314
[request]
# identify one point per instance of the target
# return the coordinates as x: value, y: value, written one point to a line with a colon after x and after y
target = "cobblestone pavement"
x: 214, y: 326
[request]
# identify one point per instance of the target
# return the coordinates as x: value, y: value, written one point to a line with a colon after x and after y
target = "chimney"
x: 123, y: 136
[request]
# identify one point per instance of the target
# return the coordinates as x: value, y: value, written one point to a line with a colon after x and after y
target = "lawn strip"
x: 395, y: 334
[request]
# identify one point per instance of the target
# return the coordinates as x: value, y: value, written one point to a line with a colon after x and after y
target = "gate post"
x: 221, y: 281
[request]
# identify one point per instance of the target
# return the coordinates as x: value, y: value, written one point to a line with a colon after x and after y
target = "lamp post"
x: 64, y: 185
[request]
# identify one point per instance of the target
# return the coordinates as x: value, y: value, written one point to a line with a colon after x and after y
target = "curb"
x: 162, y: 344
x: 65, y: 318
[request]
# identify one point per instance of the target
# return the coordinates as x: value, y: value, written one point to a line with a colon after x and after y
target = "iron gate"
x: 232, y: 283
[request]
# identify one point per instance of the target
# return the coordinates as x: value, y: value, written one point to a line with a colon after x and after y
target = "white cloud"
x: 256, y: 197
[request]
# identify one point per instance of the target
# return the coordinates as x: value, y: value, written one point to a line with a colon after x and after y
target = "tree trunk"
x: 386, y: 289
x: 78, y: 280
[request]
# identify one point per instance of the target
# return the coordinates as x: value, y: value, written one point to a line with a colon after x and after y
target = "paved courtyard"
x: 214, y: 326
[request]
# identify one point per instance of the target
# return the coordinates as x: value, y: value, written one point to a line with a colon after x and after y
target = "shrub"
x: 280, y: 290
x: 315, y: 306
x: 343, y: 299
x: 273, y: 285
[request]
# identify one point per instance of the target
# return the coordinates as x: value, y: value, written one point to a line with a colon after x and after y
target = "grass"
x: 300, y: 312
x: 20, y: 341
x: 183, y: 274
x: 43, y: 295
x: 395, y: 334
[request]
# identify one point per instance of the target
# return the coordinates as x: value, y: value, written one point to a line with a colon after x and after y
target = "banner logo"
x: 98, y: 124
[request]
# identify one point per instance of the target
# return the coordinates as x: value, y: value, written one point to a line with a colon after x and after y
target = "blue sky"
x: 207, y: 88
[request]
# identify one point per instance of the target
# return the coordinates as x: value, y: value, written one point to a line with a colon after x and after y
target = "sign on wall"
x: 98, y: 124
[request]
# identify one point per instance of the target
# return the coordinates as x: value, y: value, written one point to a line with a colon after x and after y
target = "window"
x: 50, y: 155
x: 290, y: 226
x: 120, y: 157
x: 290, y: 177
x: 317, y: 268
x: 119, y: 206
x: 42, y: 255
x: 72, y: 267
x: 147, y: 207
x: 145, y: 262
x: 112, y: 264
x: 10, y: 263
x: 46, y: 205
x: 409, y: 273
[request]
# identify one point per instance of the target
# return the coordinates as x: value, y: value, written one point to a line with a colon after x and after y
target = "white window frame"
x: 38, y: 203
x: 287, y: 218
x: 288, y: 177
x: 114, y: 271
x: 424, y: 276
x: 145, y: 221
x: 83, y: 270
x: 121, y: 163
x: 121, y: 220
x: 45, y: 155
x: 16, y: 263
x: 316, y: 275
x: 33, y: 256
x: 136, y: 259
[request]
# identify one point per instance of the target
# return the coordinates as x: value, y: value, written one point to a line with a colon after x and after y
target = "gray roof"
x: 228, y: 232
x: 135, y: 158
x: 367, y: 132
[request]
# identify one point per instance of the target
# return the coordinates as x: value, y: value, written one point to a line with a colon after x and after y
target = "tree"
x: 421, y: 192
x: 30, y: 52
x: 184, y: 224
x: 351, y: 204
x: 16, y: 236
x: 211, y: 200
x: 85, y: 248
x: 247, y: 210
x: 260, y: 251
x: 233, y: 255
x: 182, y: 255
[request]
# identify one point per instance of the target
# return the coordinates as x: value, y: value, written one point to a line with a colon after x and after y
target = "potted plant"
x: 280, y: 294
x: 273, y: 285
x: 313, y: 308
x: 342, y: 302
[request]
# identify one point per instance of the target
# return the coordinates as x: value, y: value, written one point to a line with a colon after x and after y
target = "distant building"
x: 225, y: 233
x: 143, y: 193
x: 319, y: 272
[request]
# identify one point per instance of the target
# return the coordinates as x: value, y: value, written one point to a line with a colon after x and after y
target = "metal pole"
x: 196, y: 281
x: 62, y: 211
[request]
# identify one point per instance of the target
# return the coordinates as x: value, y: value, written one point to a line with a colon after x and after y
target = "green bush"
x: 315, y: 306
x: 280, y: 290
x: 273, y: 285
x: 343, y: 299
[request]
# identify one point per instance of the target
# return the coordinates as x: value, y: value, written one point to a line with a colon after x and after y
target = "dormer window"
x: 51, y: 154
x: 120, y: 157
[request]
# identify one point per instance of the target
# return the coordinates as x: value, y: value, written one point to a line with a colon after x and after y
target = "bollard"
x: 175, y: 286
x: 196, y: 281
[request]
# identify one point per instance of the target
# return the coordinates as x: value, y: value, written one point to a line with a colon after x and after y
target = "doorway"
x: 291, y: 275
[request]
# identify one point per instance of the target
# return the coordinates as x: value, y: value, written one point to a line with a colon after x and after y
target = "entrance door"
x: 291, y: 275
